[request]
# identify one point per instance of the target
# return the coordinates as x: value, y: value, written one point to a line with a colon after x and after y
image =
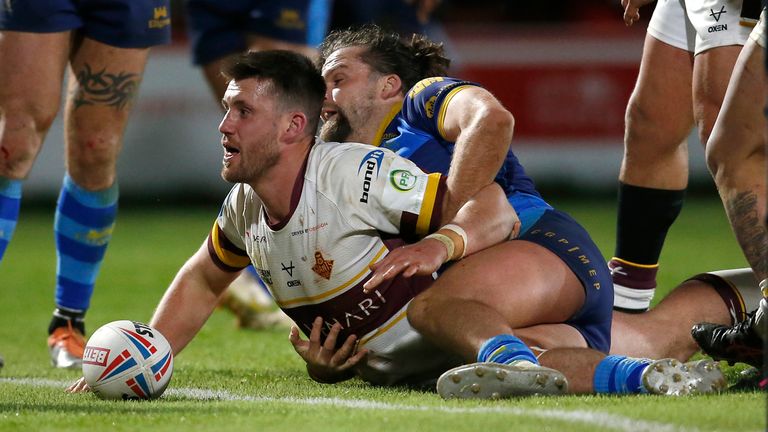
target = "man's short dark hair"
x: 388, y: 53
x: 297, y: 82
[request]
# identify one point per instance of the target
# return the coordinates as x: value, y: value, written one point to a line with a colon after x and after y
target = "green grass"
x: 261, y: 383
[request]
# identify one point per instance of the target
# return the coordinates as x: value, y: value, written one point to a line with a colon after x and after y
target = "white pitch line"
x: 604, y: 420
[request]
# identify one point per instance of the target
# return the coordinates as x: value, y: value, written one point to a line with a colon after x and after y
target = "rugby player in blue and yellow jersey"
x: 393, y: 93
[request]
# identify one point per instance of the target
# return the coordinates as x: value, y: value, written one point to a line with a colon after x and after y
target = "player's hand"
x: 421, y: 258
x: 79, y: 386
x: 325, y: 363
x: 632, y: 10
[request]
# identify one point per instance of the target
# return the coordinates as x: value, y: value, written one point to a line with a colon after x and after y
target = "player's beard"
x: 252, y: 166
x: 336, y: 129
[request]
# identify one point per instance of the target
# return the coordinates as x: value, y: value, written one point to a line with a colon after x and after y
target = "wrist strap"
x: 463, y: 234
x: 450, y: 246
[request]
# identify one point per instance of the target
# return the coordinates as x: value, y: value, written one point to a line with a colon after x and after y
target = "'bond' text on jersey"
x: 371, y: 162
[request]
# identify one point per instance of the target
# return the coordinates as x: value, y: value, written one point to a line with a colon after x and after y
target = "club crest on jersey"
x: 322, y: 266
x: 370, y: 162
x: 402, y: 180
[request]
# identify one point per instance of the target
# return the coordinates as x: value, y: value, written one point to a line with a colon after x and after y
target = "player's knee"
x: 726, y: 155
x: 24, y: 127
x: 94, y: 148
x: 417, y: 312
x: 35, y: 116
x: 644, y: 129
x: 716, y: 157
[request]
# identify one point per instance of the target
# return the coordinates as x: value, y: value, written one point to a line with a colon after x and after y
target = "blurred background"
x: 564, y: 68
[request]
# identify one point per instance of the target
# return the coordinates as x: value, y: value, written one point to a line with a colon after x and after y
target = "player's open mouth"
x: 327, y: 113
x: 230, y: 152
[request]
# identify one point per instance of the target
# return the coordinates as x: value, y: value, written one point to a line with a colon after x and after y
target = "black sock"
x: 61, y: 316
x: 643, y: 219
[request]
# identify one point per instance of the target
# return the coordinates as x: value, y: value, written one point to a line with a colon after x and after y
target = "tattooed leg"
x: 105, y: 88
x: 743, y: 212
x: 103, y: 84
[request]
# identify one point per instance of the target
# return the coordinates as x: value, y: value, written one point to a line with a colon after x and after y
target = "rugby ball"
x: 127, y: 360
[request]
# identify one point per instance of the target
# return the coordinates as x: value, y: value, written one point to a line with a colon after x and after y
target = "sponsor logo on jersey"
x: 322, y: 266
x: 160, y: 18
x: 309, y: 230
x: 430, y: 106
x: 356, y: 314
x: 288, y: 268
x: 370, y: 162
x: 402, y: 180
x: 265, y: 275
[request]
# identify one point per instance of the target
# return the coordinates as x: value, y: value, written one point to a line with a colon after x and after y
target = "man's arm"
x: 190, y: 299
x: 482, y: 130
x: 187, y: 303
x: 487, y: 219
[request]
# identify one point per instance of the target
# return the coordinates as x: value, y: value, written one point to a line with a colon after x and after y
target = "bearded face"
x: 336, y: 128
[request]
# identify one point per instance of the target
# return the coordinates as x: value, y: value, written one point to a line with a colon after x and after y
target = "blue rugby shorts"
x: 218, y: 28
x: 566, y: 238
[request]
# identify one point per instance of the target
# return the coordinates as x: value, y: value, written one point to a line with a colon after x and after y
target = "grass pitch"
x: 230, y: 379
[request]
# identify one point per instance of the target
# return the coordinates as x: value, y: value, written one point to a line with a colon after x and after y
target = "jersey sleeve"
x: 425, y: 104
x: 387, y: 192
x: 225, y: 241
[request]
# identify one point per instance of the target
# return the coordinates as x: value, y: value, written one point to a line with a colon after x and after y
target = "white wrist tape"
x: 445, y: 240
x: 463, y: 234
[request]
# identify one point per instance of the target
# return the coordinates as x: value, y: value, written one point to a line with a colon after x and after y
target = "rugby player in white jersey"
x: 326, y: 226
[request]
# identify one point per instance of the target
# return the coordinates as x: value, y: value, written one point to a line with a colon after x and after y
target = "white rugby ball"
x: 127, y: 360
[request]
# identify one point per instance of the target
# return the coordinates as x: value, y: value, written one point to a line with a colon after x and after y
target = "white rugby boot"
x: 672, y: 378
x: 488, y: 380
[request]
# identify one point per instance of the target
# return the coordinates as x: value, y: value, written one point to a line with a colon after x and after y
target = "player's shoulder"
x: 347, y: 154
x: 434, y: 86
x: 241, y: 196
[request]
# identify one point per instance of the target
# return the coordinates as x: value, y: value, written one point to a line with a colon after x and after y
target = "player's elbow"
x: 500, y: 122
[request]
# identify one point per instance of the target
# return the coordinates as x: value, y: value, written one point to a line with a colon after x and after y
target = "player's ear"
x: 392, y: 86
x: 297, y: 123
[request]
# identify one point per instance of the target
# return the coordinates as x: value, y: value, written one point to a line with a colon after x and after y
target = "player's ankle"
x: 634, y: 285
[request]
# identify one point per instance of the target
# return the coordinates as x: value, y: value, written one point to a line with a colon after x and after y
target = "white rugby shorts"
x: 699, y: 25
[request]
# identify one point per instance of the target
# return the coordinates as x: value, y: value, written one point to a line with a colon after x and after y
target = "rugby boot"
x: 66, y: 346
x: 670, y: 377
x: 498, y: 381
x: 749, y: 380
x: 252, y: 306
x: 737, y: 343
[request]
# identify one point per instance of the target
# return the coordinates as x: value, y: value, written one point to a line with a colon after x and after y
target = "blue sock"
x: 505, y: 349
x: 620, y: 374
x: 83, y: 227
x: 10, y: 202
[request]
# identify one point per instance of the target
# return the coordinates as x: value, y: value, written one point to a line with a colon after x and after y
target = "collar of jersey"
x: 396, y: 108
